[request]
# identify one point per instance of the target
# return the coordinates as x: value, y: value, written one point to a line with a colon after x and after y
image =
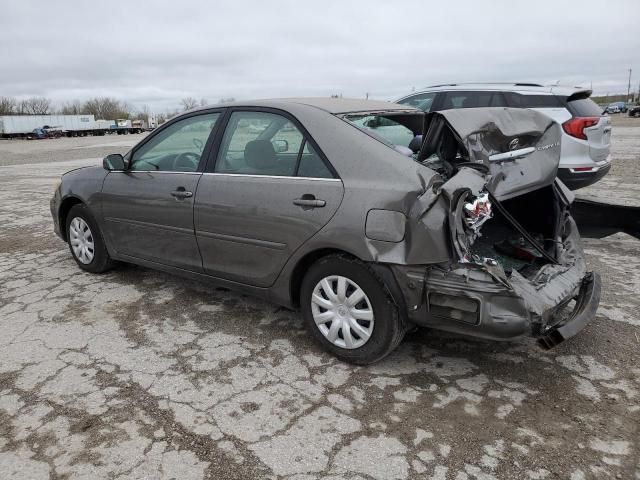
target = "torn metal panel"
x: 477, y: 212
x: 485, y: 157
x: 486, y: 136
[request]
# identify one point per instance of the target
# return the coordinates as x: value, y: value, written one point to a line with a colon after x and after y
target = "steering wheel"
x: 186, y: 162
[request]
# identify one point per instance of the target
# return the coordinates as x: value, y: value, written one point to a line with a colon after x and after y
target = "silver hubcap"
x: 81, y: 240
x: 342, y: 312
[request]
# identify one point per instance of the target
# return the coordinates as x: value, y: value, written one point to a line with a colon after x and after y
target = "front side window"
x: 261, y: 143
x: 177, y: 148
x: 421, y: 101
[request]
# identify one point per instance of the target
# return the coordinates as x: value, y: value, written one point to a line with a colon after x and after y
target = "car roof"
x: 336, y: 106
x: 524, y: 87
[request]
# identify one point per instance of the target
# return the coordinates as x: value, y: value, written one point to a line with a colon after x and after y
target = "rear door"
x: 148, y: 208
x: 269, y: 190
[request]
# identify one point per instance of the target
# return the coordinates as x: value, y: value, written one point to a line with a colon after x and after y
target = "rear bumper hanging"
x: 585, y: 309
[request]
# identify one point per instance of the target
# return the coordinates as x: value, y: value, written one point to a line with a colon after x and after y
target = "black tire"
x: 389, y: 327
x: 101, y: 261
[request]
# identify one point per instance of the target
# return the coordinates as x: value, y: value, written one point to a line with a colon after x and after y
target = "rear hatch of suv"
x: 589, y: 124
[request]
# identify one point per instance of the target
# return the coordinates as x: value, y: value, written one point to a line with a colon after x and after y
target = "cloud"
x: 157, y: 53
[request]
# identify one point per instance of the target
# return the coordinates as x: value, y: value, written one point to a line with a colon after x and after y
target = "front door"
x: 148, y: 209
x: 270, y: 191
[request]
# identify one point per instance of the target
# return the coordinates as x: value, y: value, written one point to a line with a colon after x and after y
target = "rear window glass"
x: 585, y: 107
x: 382, y: 128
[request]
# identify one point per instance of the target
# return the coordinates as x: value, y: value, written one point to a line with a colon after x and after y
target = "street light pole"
x: 629, y: 85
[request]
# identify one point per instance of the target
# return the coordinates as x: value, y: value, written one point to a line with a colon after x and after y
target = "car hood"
x: 519, y: 148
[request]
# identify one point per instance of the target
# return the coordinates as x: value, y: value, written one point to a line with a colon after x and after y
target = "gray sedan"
x: 370, y: 217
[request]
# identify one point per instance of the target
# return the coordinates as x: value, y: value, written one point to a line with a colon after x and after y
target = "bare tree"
x: 35, y: 106
x: 142, y: 114
x: 204, y: 102
x: 226, y: 100
x: 71, y: 108
x: 7, y: 105
x: 188, y: 103
x: 106, y: 108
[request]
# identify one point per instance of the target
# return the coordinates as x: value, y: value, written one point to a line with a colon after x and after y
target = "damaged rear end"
x: 517, y: 266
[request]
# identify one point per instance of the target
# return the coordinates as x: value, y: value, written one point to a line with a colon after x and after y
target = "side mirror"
x: 280, y: 146
x: 115, y: 161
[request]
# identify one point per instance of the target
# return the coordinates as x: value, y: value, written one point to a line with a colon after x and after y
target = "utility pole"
x: 629, y: 85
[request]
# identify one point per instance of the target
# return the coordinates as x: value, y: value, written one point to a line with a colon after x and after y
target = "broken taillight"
x: 575, y: 126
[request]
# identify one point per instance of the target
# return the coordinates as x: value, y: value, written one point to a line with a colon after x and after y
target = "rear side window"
x: 519, y: 100
x: 458, y: 99
x: 263, y: 143
x: 421, y: 101
x: 259, y: 143
x: 584, y: 107
x: 311, y: 165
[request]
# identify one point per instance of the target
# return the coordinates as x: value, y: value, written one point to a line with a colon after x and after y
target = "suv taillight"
x: 575, y: 126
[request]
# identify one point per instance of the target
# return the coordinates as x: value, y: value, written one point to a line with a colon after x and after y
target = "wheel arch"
x: 302, y: 266
x: 65, y: 206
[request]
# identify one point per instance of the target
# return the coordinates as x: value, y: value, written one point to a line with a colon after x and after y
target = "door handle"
x: 308, y: 201
x: 180, y: 193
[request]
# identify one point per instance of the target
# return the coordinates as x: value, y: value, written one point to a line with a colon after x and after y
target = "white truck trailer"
x: 124, y: 126
x: 16, y: 126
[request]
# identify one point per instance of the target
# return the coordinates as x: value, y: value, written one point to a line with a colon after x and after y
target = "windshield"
x: 382, y: 128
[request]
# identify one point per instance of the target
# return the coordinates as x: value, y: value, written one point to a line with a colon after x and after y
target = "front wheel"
x: 86, y: 242
x: 347, y: 308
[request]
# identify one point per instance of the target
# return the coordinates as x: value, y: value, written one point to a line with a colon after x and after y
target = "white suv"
x: 585, y: 157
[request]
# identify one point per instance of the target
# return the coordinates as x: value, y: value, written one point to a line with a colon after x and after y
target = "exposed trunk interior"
x: 538, y: 213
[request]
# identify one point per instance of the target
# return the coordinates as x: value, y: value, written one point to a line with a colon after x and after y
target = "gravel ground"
x: 137, y: 374
x: 18, y: 152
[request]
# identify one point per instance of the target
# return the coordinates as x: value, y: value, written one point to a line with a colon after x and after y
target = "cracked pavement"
x: 138, y: 374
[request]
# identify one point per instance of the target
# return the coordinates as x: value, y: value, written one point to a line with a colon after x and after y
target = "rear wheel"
x: 347, y: 308
x: 85, y: 241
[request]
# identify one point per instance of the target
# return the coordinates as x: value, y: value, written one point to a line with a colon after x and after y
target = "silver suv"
x: 586, y: 132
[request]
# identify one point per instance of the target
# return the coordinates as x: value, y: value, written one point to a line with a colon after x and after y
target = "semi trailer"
x: 25, y: 126
x: 123, y: 126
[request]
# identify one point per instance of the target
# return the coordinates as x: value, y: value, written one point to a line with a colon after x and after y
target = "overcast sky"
x: 69, y: 50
